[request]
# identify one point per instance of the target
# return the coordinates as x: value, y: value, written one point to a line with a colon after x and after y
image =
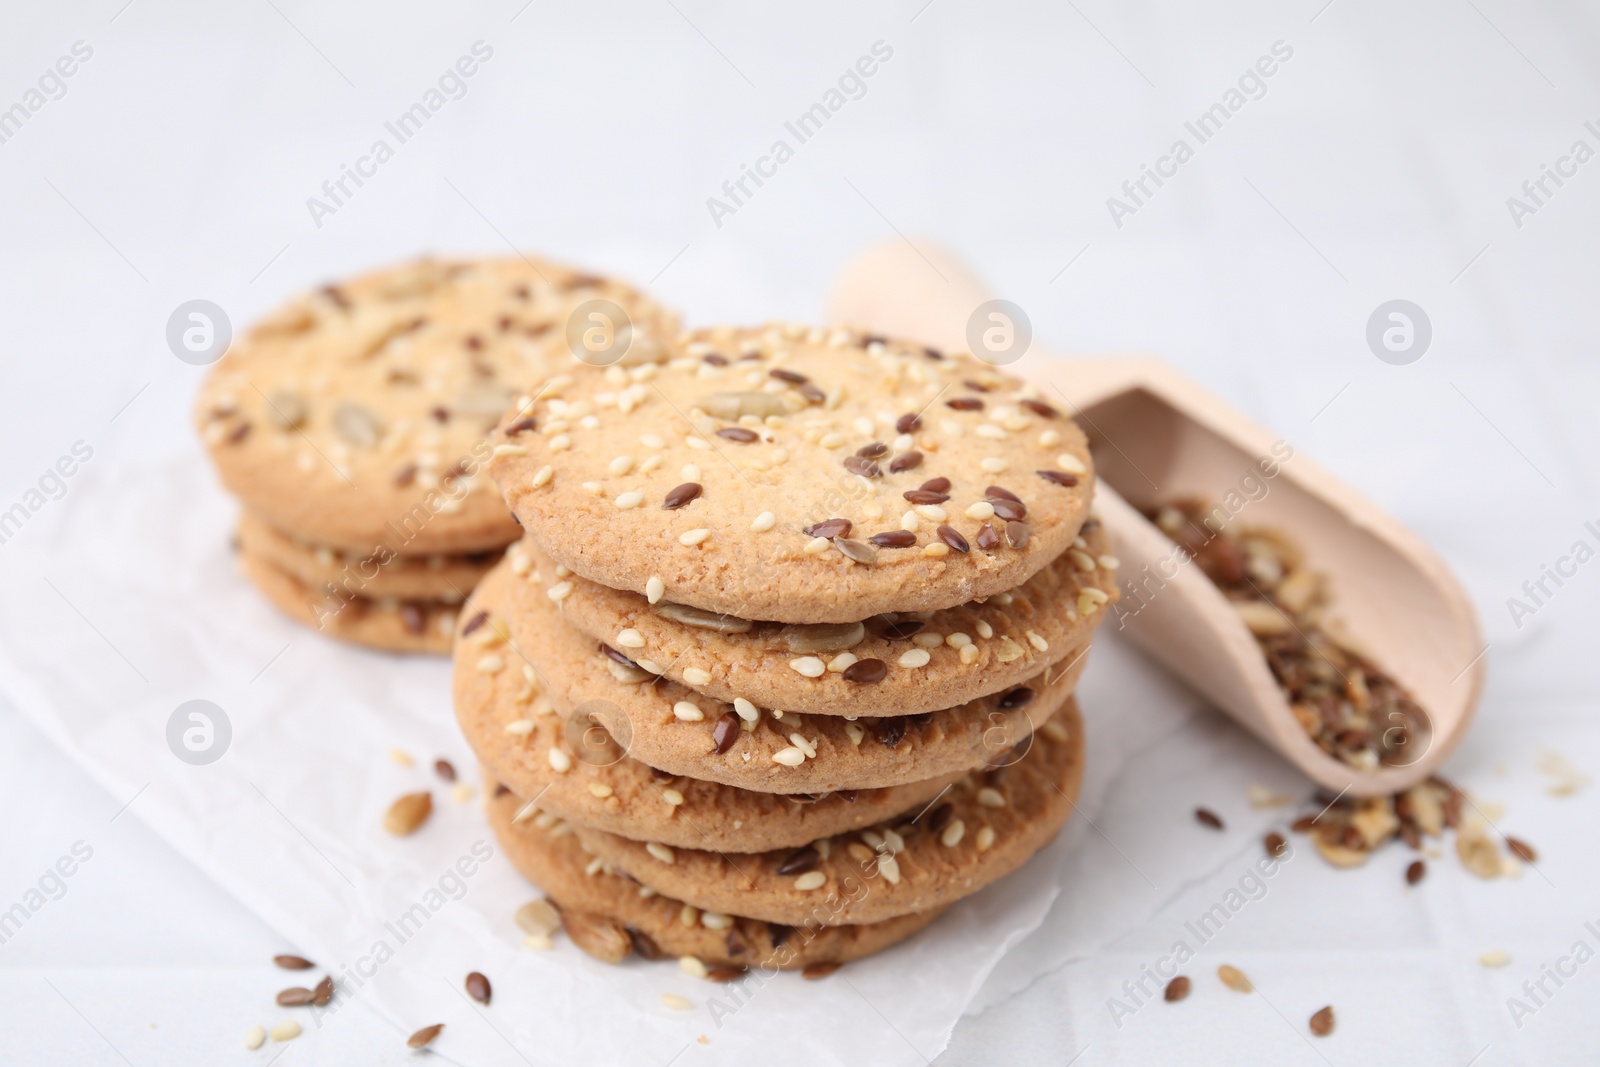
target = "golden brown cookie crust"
x: 927, y: 662
x: 986, y: 826
x: 611, y: 450
x: 601, y: 786
x: 400, y: 626
x: 375, y: 574
x: 356, y: 414
x: 673, y: 728
x: 551, y: 857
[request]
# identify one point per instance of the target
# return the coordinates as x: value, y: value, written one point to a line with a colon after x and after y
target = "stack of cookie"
x: 351, y: 424
x: 784, y: 665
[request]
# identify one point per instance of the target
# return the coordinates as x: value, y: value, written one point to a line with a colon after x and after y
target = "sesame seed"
x: 938, y: 548
x: 660, y: 851
x: 842, y: 662
x: 958, y: 640
x: 1037, y: 642
x: 1110, y: 563
x: 927, y: 640
x: 855, y: 732
x: 984, y: 839
x: 673, y: 798
x: 803, y: 745
x: 914, y: 658
x: 694, y: 537
x: 654, y: 589
x: 981, y: 510
x: 789, y: 757
x: 984, y: 629
x: 490, y: 664
x: 990, y: 797
x: 691, y: 965
x: 630, y: 638
x: 1071, y: 464
x: 594, y: 488
x: 651, y: 440
x: 1049, y: 439
x: 696, y: 675
x: 811, y: 880
x: 1054, y: 731
x: 746, y: 710
x: 712, y: 920
x: 673, y: 1002
x: 543, y: 476
x: 560, y: 443
x: 817, y: 546
x: 908, y: 522
x: 690, y: 472
x: 889, y: 867
x: 600, y: 789
x: 831, y: 440
x: 764, y: 522
x: 994, y: 464
x: 519, y: 727
x: 932, y: 512
x: 509, y: 450
x: 560, y: 762
x: 696, y: 442
x: 688, y: 711
x: 559, y: 592
x: 650, y: 464
x: 630, y: 499
x: 810, y: 666
x: 969, y: 654
x: 622, y: 465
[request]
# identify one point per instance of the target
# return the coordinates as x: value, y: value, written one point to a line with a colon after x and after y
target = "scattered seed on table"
x: 1415, y: 872
x: 1275, y: 844
x: 1207, y: 817
x: 1234, y: 979
x: 424, y: 1036
x: 323, y: 992
x: 1522, y: 850
x: 1177, y: 989
x: 1322, y: 1022
x: 444, y: 769
x: 478, y: 987
x: 293, y: 963
x: 294, y: 997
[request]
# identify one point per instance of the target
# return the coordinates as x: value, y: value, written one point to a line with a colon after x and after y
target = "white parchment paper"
x: 141, y: 610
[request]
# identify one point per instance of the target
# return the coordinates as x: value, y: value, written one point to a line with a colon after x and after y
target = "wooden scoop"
x: 1157, y: 436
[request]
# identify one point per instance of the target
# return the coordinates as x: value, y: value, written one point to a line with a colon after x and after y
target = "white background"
x: 1377, y: 165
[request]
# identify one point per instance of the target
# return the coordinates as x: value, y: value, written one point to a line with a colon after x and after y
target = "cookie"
x: 612, y: 917
x: 986, y: 826
x: 376, y: 574
x: 392, y: 626
x: 894, y: 664
x: 668, y: 726
x: 798, y: 476
x: 576, y: 772
x: 356, y: 415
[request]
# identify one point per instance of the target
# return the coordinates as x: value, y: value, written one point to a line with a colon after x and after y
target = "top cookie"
x: 796, y: 475
x: 355, y: 415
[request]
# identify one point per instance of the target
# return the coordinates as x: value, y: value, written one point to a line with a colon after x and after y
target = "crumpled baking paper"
x: 133, y: 608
